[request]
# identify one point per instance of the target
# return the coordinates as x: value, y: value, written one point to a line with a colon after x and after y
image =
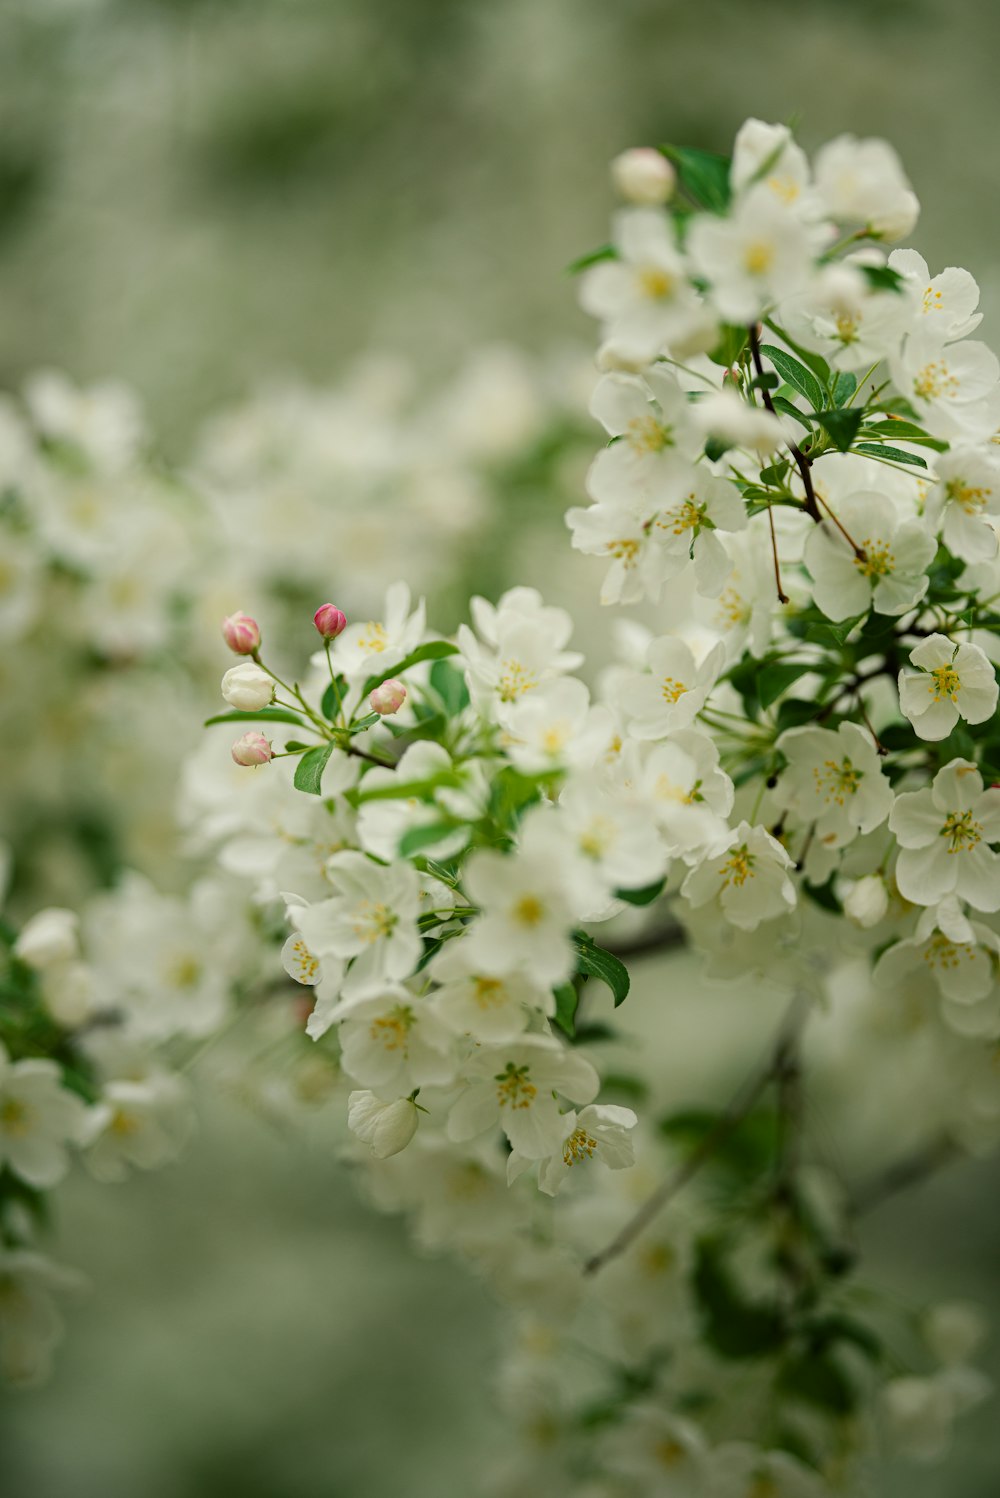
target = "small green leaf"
x: 704, y: 176
x: 891, y: 454
x: 644, y: 896
x: 844, y: 388
x: 841, y: 426
x: 780, y: 403
x: 595, y: 962
x: 796, y: 375
x: 567, y: 1000
x: 882, y: 277
x: 730, y: 346
x: 434, y: 650
x: 418, y: 838
x: 902, y: 431
x: 333, y: 697
x: 777, y: 677
x: 405, y: 790
x: 309, y: 770
x: 593, y: 257
x: 715, y: 447
x: 361, y: 725
x: 263, y: 714
x: 449, y: 684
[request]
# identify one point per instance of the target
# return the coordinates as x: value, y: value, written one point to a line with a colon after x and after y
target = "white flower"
x: 843, y: 317
x: 622, y: 532
x: 526, y: 907
x: 652, y: 420
x: 39, y: 1117
x: 920, y: 1412
x: 962, y: 962
x: 687, y: 793
x: 862, y: 181
x: 951, y: 682
x: 613, y: 843
x: 514, y: 1085
x: 556, y: 726
x: 741, y: 1469
x: 48, y: 938
x: 598, y: 1132
x: 759, y: 253
x: 953, y: 386
x: 692, y: 507
x: 487, y: 1006
x: 966, y: 492
x: 835, y: 780
x: 393, y: 1042
x: 521, y: 644
x: 767, y: 154
x: 673, y: 691
x: 365, y: 648
x: 142, y: 1123
x: 665, y: 1455
x: 371, y: 918
x: 104, y: 421
x: 944, y: 835
x: 643, y: 297
x: 948, y: 301
x: 729, y: 418
x: 383, y: 824
x: 386, y: 1127
x: 748, y: 878
x: 247, y: 687
x: 30, y: 1325
x: 890, y: 577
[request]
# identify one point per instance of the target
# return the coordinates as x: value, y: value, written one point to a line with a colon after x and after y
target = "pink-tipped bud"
x: 330, y: 621
x: 241, y: 634
x: 252, y: 749
x: 388, y: 698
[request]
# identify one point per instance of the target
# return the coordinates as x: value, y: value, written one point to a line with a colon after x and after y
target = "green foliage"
x: 841, y: 426
x: 775, y: 677
x: 644, y: 896
x: 309, y: 770
x: 732, y: 342
x: 434, y: 650
x: 890, y: 454
x: 261, y: 715
x: 734, y: 1325
x: 797, y: 375
x: 595, y: 962
x: 593, y: 257
x: 333, y: 697
x: 567, y: 999
x: 449, y: 684
x: 703, y: 176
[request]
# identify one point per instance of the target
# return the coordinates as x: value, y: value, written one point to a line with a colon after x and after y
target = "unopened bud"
x: 386, y: 1127
x: 247, y: 687
x: 388, y: 698
x: 241, y: 634
x: 867, y: 902
x: 252, y: 749
x: 330, y: 621
x: 49, y: 937
x: 643, y: 176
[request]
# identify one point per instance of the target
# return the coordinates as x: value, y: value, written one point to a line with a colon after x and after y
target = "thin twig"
x: 910, y: 1171
x: 743, y: 1102
x: 782, y: 595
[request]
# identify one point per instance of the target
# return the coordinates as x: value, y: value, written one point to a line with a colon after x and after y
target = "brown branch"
x: 776, y: 1065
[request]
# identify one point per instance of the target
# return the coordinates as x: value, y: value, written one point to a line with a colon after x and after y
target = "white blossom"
x: 951, y: 682
x: 888, y: 577
x: 945, y: 836
x: 748, y: 878
x: 515, y: 1086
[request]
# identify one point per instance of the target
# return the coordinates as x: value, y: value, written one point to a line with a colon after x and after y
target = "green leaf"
x: 434, y: 650
x: 892, y: 454
x: 592, y: 257
x: 330, y: 706
x: 781, y: 404
x: 902, y: 431
x: 715, y: 447
x: 735, y: 1326
x: 730, y: 346
x: 794, y: 711
x: 841, y: 426
x: 567, y: 1000
x: 777, y: 676
x: 796, y: 375
x: 595, y: 962
x: 882, y: 277
x: 817, y: 1379
x: 704, y: 176
x: 844, y: 388
x: 262, y: 715
x: 309, y: 770
x: 644, y: 896
x: 824, y: 896
x: 418, y: 838
x: 449, y: 684
x: 362, y: 725
x: 404, y: 790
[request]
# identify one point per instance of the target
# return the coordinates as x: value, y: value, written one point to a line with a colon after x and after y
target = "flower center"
x: 878, y: 560
x: 933, y: 300
x: 656, y: 283
x: 971, y: 498
x: 529, y: 910
x: 942, y: 952
x: 963, y: 832
x: 597, y: 837
x: 15, y: 1118
x: 392, y: 1030
x: 626, y: 550
x: 683, y: 517
x: 733, y: 609
x: 515, y: 1087
x: 673, y: 690
x: 758, y: 257
x: 374, y: 640
x: 739, y: 867
x: 489, y: 993
x: 515, y: 680
x: 372, y: 921
x: 648, y: 435
x: 934, y: 381
x: 945, y: 682
x: 579, y: 1146
x: 835, y: 782
x: 847, y: 327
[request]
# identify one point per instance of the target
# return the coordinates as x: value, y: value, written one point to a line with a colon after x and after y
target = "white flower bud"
x: 388, y: 698
x: 867, y: 901
x: 386, y: 1127
x: 643, y: 176
x: 49, y: 937
x: 247, y: 687
x: 252, y: 749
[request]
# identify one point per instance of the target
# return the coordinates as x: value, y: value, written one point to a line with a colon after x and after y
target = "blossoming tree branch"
x: 798, y: 771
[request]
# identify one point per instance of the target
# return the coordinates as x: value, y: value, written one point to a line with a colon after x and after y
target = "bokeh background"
x: 197, y: 195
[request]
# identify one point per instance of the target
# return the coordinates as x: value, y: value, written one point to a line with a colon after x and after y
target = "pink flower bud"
x: 329, y: 621
x: 252, y: 749
x: 388, y: 698
x: 241, y: 634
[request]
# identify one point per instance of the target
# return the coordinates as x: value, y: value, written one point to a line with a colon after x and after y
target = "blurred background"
x: 202, y: 196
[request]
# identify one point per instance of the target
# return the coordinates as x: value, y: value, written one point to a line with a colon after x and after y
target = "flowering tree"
x: 792, y: 772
